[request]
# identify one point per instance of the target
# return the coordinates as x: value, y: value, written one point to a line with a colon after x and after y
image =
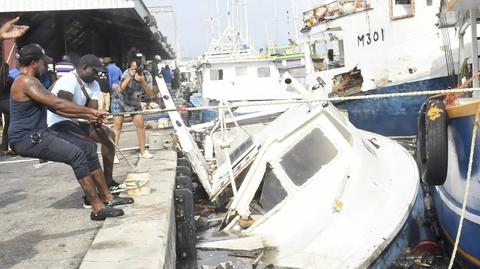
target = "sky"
x: 267, y: 20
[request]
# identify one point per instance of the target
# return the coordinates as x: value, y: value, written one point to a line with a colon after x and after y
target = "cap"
x: 107, y: 60
x: 157, y: 57
x: 34, y: 51
x: 93, y: 61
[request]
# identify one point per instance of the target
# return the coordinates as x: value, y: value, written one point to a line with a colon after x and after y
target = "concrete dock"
x: 145, y: 236
x: 44, y: 225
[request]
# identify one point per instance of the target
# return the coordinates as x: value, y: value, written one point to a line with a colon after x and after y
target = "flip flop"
x: 106, y: 212
x: 117, y: 200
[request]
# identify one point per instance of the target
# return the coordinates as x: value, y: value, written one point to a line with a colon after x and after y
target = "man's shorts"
x: 64, y: 144
x: 118, y: 105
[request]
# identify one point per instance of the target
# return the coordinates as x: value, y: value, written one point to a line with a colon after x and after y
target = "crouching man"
x: 80, y: 87
x: 30, y: 137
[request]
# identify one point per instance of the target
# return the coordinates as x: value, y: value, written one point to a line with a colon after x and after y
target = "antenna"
x: 295, y: 20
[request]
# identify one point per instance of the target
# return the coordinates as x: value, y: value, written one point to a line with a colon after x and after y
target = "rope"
x: 467, y: 188
x: 298, y: 101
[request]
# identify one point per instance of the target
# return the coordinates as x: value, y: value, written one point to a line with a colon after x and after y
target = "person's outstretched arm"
x: 11, y: 30
x: 35, y: 91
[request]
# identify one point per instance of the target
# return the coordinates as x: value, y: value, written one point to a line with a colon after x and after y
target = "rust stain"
x: 434, y: 113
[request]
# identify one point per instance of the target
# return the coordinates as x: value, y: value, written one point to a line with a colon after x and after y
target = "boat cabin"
x: 247, y: 79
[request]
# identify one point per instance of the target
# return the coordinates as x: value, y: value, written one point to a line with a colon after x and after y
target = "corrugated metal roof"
x: 140, y: 12
x: 57, y: 5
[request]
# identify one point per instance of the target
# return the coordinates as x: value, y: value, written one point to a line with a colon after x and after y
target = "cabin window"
x: 272, y: 192
x: 401, y: 9
x: 241, y: 71
x: 216, y: 74
x: 263, y: 72
x: 308, y: 156
x: 429, y: 2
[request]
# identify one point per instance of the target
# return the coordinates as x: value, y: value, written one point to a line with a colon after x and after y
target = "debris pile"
x: 333, y: 10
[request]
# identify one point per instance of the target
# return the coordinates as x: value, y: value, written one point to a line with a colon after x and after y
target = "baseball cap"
x: 93, y: 61
x: 157, y: 57
x: 34, y: 51
x: 107, y: 60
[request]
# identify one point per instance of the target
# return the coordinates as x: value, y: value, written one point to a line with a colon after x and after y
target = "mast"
x: 295, y: 20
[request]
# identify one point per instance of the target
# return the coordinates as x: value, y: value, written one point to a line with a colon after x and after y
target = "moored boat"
x: 393, y: 47
x: 445, y: 150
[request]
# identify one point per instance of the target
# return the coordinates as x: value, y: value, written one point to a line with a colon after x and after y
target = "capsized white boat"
x: 325, y: 194
x: 320, y: 192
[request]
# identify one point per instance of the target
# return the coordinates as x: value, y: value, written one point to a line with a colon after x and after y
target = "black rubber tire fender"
x: 432, y: 142
x: 183, y: 171
x: 420, y: 155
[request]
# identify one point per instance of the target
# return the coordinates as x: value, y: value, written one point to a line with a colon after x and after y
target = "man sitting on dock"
x: 30, y: 137
x: 80, y: 87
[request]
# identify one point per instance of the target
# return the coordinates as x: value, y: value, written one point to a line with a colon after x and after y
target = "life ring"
x: 432, y: 147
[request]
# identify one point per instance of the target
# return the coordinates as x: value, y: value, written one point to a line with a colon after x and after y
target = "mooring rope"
x: 467, y: 188
x: 298, y: 101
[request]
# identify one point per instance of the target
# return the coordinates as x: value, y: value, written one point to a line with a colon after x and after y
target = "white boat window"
x: 241, y: 71
x: 400, y: 9
x: 308, y: 156
x: 216, y: 74
x: 272, y: 192
x: 263, y: 72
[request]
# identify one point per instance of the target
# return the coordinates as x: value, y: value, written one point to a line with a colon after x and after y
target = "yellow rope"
x: 467, y: 188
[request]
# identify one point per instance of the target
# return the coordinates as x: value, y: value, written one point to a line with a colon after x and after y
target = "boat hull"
x: 411, y: 233
x: 449, y: 197
x: 469, y: 246
x: 396, y: 116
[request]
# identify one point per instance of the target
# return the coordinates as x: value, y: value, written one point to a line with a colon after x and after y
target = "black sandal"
x: 117, y: 200
x: 106, y: 212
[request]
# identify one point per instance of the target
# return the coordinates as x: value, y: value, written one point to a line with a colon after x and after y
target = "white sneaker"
x: 115, y: 160
x: 146, y: 155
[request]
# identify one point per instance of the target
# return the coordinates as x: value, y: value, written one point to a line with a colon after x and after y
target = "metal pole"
x: 217, y: 20
x: 307, y: 56
x: 473, y: 27
x: 461, y: 48
x: 246, y: 22
x: 228, y: 14
x: 295, y: 18
x: 175, y: 32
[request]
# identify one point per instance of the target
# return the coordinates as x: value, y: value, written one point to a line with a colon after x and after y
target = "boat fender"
x: 183, y: 162
x: 184, y: 182
x: 185, y: 224
x: 432, y: 147
x: 183, y: 171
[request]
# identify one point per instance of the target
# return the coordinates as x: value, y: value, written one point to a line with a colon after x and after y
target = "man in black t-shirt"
x: 104, y: 100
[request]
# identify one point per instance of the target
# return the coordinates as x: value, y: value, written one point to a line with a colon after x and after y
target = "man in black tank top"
x: 30, y: 137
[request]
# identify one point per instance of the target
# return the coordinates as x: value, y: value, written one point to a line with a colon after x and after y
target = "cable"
x: 298, y: 101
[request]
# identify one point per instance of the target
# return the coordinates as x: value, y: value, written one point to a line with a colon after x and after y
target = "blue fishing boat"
x: 381, y: 47
x: 443, y: 157
x: 444, y: 147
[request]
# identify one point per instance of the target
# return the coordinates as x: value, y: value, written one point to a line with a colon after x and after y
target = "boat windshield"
x: 300, y: 163
x: 308, y: 156
x: 272, y: 191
